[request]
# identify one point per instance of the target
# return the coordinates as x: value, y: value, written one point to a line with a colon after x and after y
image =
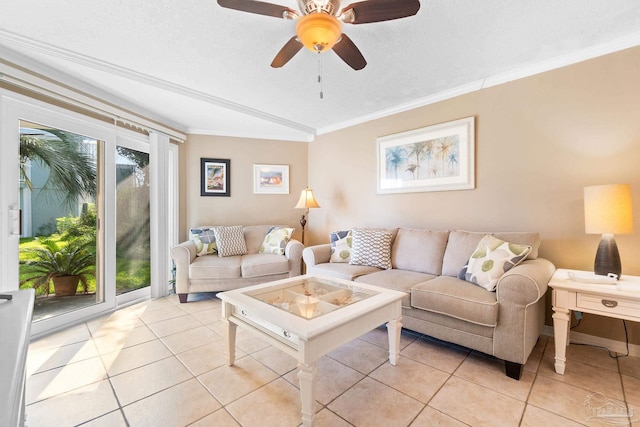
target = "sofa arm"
x: 317, y: 254
x: 525, y: 283
x: 521, y: 309
x: 293, y: 250
x: 183, y: 255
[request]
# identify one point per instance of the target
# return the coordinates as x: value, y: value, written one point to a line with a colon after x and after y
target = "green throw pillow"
x: 340, y: 246
x: 491, y: 259
x: 276, y: 240
x: 204, y: 248
x: 205, y: 241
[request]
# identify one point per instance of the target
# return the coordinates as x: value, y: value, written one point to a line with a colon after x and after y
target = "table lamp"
x: 306, y: 202
x: 607, y: 211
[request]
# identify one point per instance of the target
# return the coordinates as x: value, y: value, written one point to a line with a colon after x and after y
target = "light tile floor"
x: 161, y: 363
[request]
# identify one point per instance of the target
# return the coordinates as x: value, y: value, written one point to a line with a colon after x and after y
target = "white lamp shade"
x: 307, y: 200
x: 607, y: 209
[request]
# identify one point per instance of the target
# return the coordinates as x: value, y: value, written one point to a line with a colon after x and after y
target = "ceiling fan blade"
x: 258, y: 7
x: 365, y: 12
x: 287, y: 52
x: 349, y: 53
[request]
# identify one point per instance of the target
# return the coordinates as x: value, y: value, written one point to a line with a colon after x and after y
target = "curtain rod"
x: 58, y: 92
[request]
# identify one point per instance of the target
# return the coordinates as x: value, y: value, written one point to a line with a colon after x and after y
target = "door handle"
x: 14, y: 221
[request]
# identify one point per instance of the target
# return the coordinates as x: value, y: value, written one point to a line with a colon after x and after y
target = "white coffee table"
x: 308, y: 325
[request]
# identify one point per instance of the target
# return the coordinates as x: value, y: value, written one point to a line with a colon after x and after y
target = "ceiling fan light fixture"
x: 327, y: 6
x: 318, y: 32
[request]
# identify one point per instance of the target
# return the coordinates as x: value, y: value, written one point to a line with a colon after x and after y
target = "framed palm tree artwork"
x: 434, y: 158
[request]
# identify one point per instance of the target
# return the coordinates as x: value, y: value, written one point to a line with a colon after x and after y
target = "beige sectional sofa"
x: 425, y: 264
x: 213, y: 272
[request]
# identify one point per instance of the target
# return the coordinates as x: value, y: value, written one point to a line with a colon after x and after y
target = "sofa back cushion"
x: 254, y: 236
x: 419, y: 250
x: 462, y: 244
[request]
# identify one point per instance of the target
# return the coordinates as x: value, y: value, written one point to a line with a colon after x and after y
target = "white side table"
x: 620, y: 300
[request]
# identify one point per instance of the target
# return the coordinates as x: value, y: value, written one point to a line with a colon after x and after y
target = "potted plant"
x: 66, y: 264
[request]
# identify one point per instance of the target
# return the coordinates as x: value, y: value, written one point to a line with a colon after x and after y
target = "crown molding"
x: 253, y: 135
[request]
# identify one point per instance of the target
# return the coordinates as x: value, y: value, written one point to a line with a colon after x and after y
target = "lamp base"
x: 303, y: 222
x: 607, y: 257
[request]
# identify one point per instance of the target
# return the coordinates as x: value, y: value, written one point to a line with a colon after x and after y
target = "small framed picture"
x: 271, y: 179
x: 215, y: 177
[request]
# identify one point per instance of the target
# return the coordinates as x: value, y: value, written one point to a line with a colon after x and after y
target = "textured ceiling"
x: 205, y: 69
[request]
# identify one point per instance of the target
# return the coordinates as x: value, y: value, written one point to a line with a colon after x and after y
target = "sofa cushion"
x: 462, y: 244
x: 371, y: 248
x: 276, y: 240
x: 492, y: 258
x: 341, y: 270
x: 257, y: 265
x: 419, y: 250
x: 456, y: 298
x: 399, y: 280
x: 214, y: 267
x: 230, y: 241
x: 340, y: 246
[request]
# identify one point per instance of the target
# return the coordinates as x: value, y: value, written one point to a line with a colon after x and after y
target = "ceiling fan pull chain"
x: 320, y: 74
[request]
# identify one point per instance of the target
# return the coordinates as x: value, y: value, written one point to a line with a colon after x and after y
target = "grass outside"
x: 131, y: 274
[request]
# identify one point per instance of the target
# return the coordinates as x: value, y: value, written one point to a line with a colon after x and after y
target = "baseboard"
x: 617, y: 346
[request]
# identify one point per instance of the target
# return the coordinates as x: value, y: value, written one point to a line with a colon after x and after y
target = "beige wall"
x: 539, y: 141
x: 243, y: 207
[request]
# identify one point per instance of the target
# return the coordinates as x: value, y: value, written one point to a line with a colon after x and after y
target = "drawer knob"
x: 286, y: 333
x: 609, y: 303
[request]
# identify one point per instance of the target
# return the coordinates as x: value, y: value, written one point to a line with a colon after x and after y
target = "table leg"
x: 394, y: 329
x: 229, y: 334
x: 307, y: 377
x: 561, y: 318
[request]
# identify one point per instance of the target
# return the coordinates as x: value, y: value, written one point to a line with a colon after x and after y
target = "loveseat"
x: 223, y: 258
x: 439, y: 272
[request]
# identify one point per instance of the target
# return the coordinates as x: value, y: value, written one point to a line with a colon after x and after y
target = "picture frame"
x: 215, y: 177
x: 434, y: 158
x: 270, y: 179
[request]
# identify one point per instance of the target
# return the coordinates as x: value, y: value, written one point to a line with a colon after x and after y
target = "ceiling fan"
x: 319, y: 26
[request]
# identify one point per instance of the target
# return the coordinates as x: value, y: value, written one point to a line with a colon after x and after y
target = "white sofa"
x: 213, y: 273
x: 425, y: 264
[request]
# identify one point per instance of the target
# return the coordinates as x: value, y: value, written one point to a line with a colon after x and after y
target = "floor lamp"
x: 306, y: 202
x: 607, y: 211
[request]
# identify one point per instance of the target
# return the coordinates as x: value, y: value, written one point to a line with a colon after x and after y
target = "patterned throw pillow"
x: 230, y: 241
x: 205, y: 241
x: 340, y: 246
x: 491, y: 259
x: 371, y: 248
x: 276, y: 240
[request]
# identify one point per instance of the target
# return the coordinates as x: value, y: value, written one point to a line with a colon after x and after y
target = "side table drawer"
x: 609, y: 306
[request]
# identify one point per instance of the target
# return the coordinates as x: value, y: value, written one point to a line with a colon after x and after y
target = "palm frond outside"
x: 72, y: 170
